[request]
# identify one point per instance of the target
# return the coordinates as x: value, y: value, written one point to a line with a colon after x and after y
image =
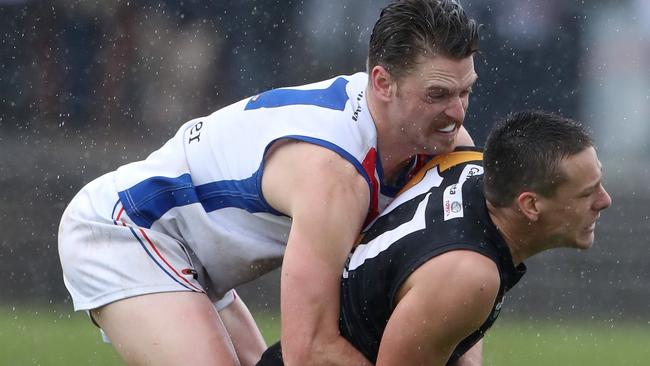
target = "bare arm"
x: 441, y: 303
x: 328, y: 201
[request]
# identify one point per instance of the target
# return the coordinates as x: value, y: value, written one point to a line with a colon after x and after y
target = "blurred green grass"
x: 55, y: 336
x: 562, y: 343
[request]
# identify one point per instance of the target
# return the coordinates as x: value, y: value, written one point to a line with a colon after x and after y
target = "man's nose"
x: 604, y: 200
x: 456, y: 110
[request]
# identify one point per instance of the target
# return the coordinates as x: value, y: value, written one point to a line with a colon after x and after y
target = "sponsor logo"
x: 453, y: 195
x: 470, y: 170
x: 452, y: 189
x: 473, y: 171
x: 357, y: 110
x: 452, y: 199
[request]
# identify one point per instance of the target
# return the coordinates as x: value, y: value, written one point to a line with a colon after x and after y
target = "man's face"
x: 430, y: 103
x: 571, y: 214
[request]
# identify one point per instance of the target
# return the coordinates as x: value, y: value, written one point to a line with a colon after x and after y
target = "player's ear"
x: 528, y: 205
x: 382, y: 82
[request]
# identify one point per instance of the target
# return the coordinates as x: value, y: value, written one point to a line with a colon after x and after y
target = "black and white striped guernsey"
x: 443, y: 210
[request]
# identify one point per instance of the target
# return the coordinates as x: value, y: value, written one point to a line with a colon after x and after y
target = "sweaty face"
x: 571, y: 214
x: 430, y: 102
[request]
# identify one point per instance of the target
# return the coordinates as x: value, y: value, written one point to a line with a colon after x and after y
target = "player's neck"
x: 516, y: 232
x: 393, y: 151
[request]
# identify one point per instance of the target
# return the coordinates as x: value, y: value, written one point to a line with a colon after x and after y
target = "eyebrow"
x: 445, y: 90
x: 596, y: 184
x: 590, y: 189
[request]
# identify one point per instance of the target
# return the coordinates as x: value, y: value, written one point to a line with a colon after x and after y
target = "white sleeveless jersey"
x: 203, y: 187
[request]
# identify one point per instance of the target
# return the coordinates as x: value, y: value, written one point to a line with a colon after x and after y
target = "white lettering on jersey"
x: 469, y: 171
x: 452, y: 198
x: 386, y: 239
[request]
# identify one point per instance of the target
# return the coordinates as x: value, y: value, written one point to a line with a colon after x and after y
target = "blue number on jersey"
x: 333, y: 97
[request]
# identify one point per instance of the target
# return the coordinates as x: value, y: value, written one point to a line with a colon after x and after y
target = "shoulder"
x: 444, y: 301
x: 466, y: 266
x: 306, y: 157
x: 460, y: 274
x: 308, y: 172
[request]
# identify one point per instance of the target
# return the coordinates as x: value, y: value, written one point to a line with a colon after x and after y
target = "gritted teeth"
x: 448, y: 128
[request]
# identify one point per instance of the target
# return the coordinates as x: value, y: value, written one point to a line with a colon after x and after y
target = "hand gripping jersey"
x: 203, y: 187
x: 443, y: 210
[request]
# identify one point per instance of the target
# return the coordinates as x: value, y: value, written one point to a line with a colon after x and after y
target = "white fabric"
x: 106, y: 260
x: 201, y: 191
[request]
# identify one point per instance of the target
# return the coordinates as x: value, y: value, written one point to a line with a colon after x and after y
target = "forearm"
x: 310, y: 313
x: 328, y: 200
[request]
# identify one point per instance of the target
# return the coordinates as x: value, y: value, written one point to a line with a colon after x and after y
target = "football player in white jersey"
x: 287, y: 177
x: 429, y: 276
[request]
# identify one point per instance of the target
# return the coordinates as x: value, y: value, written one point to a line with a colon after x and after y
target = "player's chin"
x: 441, y: 145
x: 585, y: 241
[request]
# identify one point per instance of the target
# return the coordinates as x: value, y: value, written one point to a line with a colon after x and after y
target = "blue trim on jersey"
x: 150, y: 199
x: 332, y: 97
x: 384, y: 189
x: 113, y: 212
x: 244, y: 194
x: 389, y: 191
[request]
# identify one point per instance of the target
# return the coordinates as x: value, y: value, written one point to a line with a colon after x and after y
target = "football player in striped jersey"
x: 154, y: 250
x: 428, y: 277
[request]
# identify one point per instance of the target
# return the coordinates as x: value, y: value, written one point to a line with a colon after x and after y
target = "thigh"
x: 172, y: 328
x: 244, y: 333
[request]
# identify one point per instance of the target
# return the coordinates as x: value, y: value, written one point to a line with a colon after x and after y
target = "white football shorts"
x: 105, y: 257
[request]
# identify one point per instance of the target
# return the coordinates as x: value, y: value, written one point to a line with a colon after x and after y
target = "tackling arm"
x: 328, y: 202
x: 441, y: 303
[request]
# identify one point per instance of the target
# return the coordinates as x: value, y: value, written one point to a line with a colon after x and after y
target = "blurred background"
x: 86, y: 86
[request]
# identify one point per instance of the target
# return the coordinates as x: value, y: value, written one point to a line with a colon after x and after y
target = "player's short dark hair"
x: 407, y: 29
x: 523, y: 153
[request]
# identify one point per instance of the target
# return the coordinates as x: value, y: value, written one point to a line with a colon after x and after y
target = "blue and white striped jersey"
x: 203, y: 187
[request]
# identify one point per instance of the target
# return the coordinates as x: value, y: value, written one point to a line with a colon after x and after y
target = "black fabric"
x: 368, y: 291
x: 272, y: 356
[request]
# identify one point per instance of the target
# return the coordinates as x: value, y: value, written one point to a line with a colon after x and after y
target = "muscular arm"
x: 328, y: 201
x: 441, y: 303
